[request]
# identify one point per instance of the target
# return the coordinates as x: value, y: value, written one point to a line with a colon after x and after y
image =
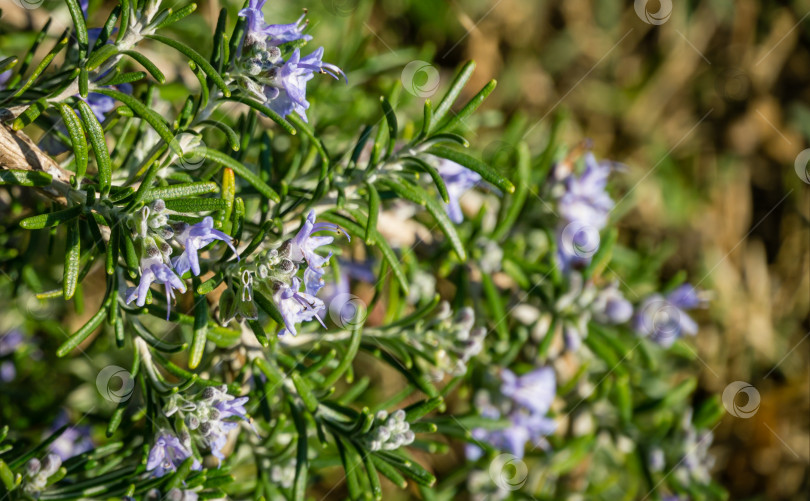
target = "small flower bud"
x: 51, y: 464
x: 286, y: 266
x: 284, y: 249
x: 33, y: 466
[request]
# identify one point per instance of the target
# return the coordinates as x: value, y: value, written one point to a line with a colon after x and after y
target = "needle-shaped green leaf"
x: 22, y: 177
x: 198, y: 60
x: 72, y: 255
x: 417, y: 195
x: 373, y: 211
x: 79, y: 25
x: 76, y: 132
x: 83, y: 333
x: 96, y: 136
x: 272, y: 115
x: 100, y: 55
x: 433, y: 173
x: 43, y: 65
x: 458, y: 119
x: 200, y: 331
x: 239, y: 169
x: 152, y: 118
x: 488, y: 173
x: 196, y: 204
x: 146, y: 63
x: 453, y: 92
x: 181, y: 191
x: 173, y: 17
x: 50, y: 219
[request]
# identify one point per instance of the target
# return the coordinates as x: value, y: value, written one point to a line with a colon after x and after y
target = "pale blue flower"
x: 273, y: 34
x: 73, y: 441
x: 530, y: 396
x: 289, y: 90
x: 664, y: 319
x: 167, y: 454
x: 534, y: 390
x: 585, y: 198
x: 303, y: 246
x: 611, y: 307
x: 458, y: 180
x: 295, y: 306
x: 193, y: 238
x: 155, y: 270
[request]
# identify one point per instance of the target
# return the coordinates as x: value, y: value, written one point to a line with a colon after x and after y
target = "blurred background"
x: 708, y: 107
x: 707, y: 103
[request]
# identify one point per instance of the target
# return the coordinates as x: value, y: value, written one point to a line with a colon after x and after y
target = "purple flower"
x: 313, y: 280
x: 273, y: 34
x: 525, y: 427
x: 531, y: 396
x: 167, y: 454
x: 215, y: 406
x: 101, y: 104
x: 10, y: 341
x: 534, y: 390
x: 458, y: 179
x: 155, y: 270
x: 84, y: 4
x: 289, y: 92
x: 583, y: 206
x: 295, y: 306
x: 664, y: 320
x: 303, y: 246
x: 73, y: 441
x: 215, y: 436
x: 585, y: 198
x: 193, y: 238
x: 611, y: 307
x: 4, y: 77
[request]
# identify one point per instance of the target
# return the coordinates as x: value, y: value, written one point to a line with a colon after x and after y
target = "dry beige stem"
x: 17, y: 151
